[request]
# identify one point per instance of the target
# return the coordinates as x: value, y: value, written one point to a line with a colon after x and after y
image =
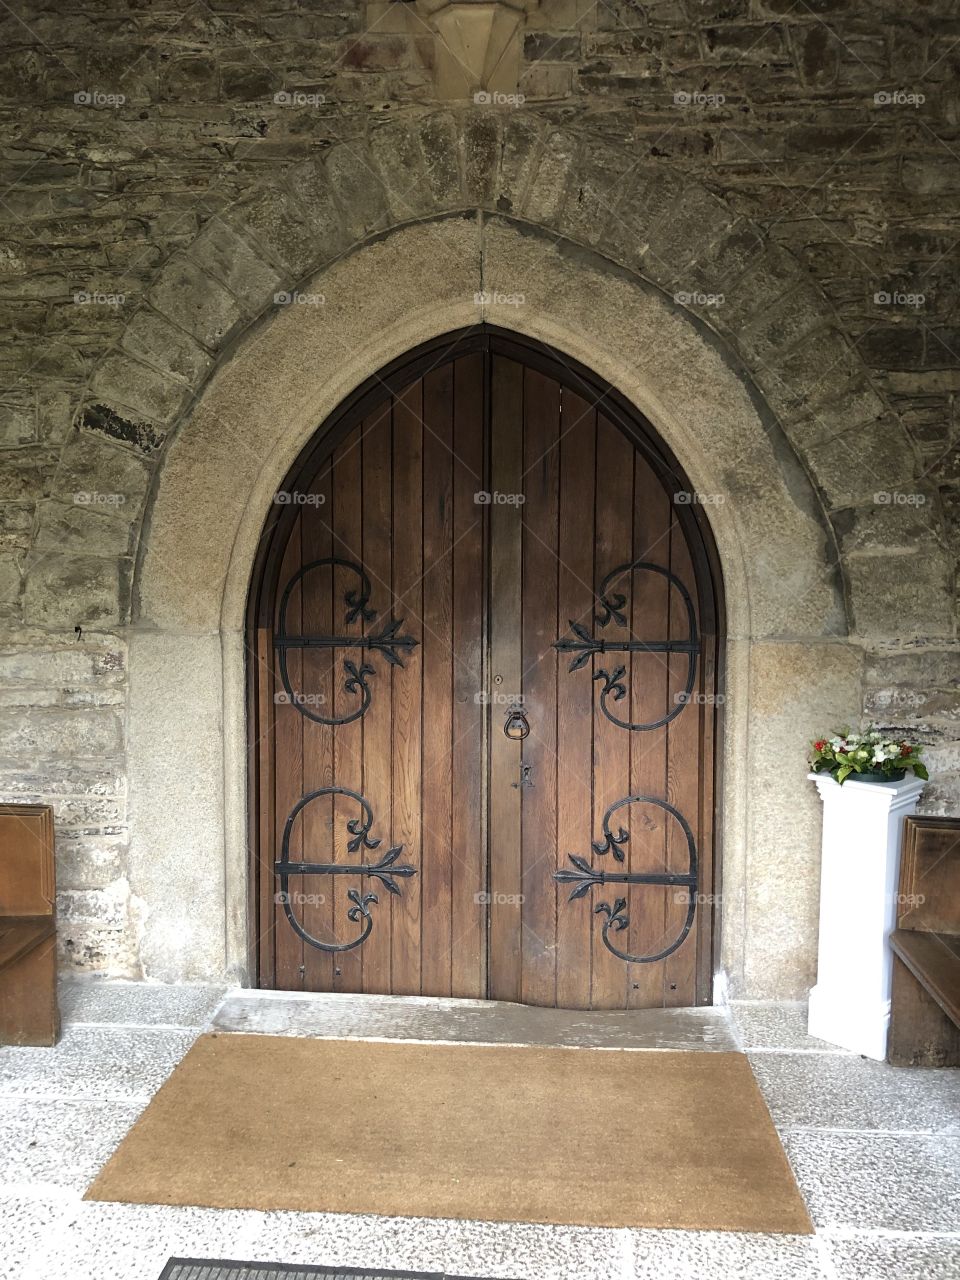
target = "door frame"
x: 390, y: 380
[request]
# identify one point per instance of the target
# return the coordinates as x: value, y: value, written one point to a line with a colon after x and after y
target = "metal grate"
x: 222, y: 1269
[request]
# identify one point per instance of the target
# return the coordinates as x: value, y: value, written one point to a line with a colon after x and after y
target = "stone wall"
x: 788, y: 174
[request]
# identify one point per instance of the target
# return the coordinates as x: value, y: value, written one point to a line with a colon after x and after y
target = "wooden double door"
x: 483, y: 696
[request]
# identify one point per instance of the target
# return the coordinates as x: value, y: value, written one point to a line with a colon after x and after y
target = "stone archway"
x: 790, y: 663
x: 409, y: 232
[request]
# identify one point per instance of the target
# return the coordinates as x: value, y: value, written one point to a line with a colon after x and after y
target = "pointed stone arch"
x: 671, y: 232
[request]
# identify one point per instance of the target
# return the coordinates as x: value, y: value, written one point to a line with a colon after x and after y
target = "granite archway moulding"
x: 479, y: 227
x: 788, y: 658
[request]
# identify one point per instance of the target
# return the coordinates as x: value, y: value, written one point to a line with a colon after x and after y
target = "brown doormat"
x: 607, y: 1138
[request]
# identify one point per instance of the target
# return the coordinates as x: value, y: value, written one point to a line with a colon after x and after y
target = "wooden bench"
x: 28, y: 929
x: 925, y: 1006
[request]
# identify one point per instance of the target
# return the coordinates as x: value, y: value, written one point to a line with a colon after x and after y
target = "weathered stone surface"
x: 439, y: 145
x: 83, y: 530
x: 594, y: 192
x: 105, y: 476
x: 47, y: 734
x: 522, y: 140
x: 314, y: 196
x: 866, y: 460
x: 89, y: 862
x: 152, y: 339
x: 273, y: 220
x: 127, y: 426
x: 481, y: 153
x: 39, y: 664
x: 228, y: 257
x: 119, y: 380
x: 16, y: 526
x: 545, y: 195
x: 68, y: 591
x: 358, y: 190
x: 191, y: 298
x: 685, y: 232
x: 10, y: 587
x: 909, y: 597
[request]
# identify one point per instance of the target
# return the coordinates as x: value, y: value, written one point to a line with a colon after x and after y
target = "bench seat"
x: 934, y: 960
x: 20, y: 934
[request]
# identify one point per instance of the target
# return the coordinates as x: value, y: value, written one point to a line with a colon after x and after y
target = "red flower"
x: 818, y: 746
x: 905, y: 748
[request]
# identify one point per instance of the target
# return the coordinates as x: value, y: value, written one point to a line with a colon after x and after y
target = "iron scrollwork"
x: 582, y: 876
x: 388, y: 642
x: 386, y: 870
x: 610, y: 604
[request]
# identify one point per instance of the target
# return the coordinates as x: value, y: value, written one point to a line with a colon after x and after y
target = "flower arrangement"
x: 869, y: 756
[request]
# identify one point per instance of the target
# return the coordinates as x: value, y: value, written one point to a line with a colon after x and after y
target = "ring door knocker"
x: 516, y: 726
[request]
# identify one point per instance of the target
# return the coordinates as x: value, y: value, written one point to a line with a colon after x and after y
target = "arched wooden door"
x: 483, y: 659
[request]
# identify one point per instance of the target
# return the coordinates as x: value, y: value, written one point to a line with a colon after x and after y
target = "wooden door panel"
x: 628, y: 732
x: 469, y: 746
x: 537, y: 782
x: 479, y: 765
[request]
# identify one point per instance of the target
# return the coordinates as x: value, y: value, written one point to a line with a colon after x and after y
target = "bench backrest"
x: 930, y: 875
x: 27, y: 876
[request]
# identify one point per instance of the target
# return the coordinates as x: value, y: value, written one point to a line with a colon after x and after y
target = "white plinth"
x: 862, y: 826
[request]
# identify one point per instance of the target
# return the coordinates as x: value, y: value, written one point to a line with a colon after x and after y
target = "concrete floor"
x: 876, y: 1151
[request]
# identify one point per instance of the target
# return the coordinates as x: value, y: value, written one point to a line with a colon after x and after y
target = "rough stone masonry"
x: 156, y: 193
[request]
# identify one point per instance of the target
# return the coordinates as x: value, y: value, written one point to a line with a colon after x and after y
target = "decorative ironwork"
x: 583, y: 877
x: 387, y: 641
x: 610, y: 604
x: 385, y: 870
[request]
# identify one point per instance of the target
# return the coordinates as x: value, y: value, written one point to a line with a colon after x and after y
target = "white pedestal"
x: 862, y: 825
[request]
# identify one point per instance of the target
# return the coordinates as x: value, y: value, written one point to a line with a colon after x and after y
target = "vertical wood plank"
x: 437, y: 839
x: 505, y: 666
x: 347, y: 739
x: 646, y: 851
x: 264, y: 824
x: 575, y: 694
x: 318, y: 669
x: 683, y: 785
x: 289, y: 774
x: 541, y: 474
x: 408, y: 681
x: 377, y: 723
x: 467, y: 754
x: 611, y: 766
